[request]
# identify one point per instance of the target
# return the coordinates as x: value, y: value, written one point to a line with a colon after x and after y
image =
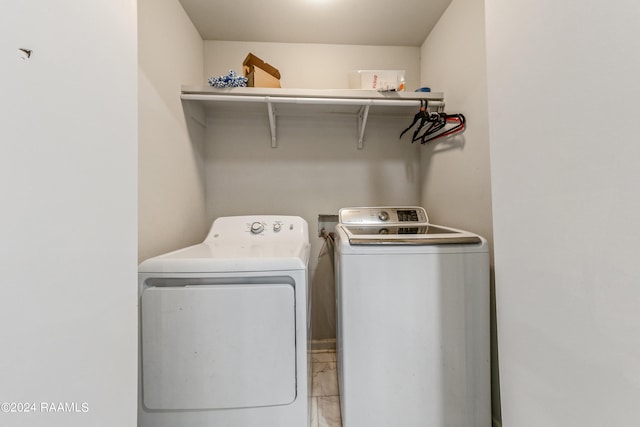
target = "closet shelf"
x: 360, y: 103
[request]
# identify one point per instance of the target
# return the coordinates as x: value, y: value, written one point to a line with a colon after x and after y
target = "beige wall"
x: 171, y: 187
x: 313, y: 66
x: 456, y: 172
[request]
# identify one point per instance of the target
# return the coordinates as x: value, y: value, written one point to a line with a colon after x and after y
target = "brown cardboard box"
x: 259, y: 73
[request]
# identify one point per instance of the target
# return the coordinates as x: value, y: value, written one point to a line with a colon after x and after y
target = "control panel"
x: 275, y: 226
x: 249, y: 228
x: 383, y: 215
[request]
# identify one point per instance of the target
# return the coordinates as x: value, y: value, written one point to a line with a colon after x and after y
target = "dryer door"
x: 218, y: 346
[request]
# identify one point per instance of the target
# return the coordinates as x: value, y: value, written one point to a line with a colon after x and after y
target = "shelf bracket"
x: 363, y: 114
x: 272, y: 121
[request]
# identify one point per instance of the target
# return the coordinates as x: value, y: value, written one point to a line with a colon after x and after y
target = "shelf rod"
x: 308, y: 100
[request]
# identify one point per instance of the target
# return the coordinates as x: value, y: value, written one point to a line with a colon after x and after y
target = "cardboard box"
x: 381, y: 80
x: 259, y: 73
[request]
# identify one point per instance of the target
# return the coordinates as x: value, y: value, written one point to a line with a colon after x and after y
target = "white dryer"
x: 224, y: 328
x: 413, y: 321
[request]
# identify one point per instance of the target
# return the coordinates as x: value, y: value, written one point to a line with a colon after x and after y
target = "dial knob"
x: 257, y: 227
x: 277, y: 227
x: 383, y: 215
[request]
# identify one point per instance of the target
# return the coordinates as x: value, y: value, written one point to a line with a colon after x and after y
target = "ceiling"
x: 355, y: 22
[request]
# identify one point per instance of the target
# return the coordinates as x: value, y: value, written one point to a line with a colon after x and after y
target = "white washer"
x: 224, y: 328
x: 413, y: 321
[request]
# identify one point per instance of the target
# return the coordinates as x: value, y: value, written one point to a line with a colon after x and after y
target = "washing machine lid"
x: 241, y: 244
x: 405, y: 225
x: 425, y: 234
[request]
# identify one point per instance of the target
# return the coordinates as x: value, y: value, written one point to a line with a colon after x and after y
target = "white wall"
x: 317, y: 168
x: 171, y: 193
x: 68, y: 219
x: 563, y: 91
x: 456, y: 183
x: 456, y: 172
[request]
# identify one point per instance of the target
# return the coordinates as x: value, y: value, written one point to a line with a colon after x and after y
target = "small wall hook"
x: 25, y: 53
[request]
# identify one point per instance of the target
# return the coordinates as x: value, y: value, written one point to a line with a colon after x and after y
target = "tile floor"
x: 325, y: 399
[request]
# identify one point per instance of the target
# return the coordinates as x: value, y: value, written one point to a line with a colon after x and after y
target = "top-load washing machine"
x: 413, y: 321
x: 224, y: 328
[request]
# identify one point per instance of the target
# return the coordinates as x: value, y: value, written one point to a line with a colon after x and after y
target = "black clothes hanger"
x: 437, y: 121
x: 458, y: 120
x: 421, y: 116
x: 434, y: 125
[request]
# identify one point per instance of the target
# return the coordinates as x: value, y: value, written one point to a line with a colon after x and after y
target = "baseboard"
x: 328, y: 344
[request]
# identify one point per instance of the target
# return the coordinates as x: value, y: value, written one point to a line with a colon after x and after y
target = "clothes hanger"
x: 421, y: 116
x: 437, y: 123
x: 460, y: 126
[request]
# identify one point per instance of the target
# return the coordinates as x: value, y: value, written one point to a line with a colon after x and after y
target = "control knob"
x: 257, y: 227
x: 383, y: 215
